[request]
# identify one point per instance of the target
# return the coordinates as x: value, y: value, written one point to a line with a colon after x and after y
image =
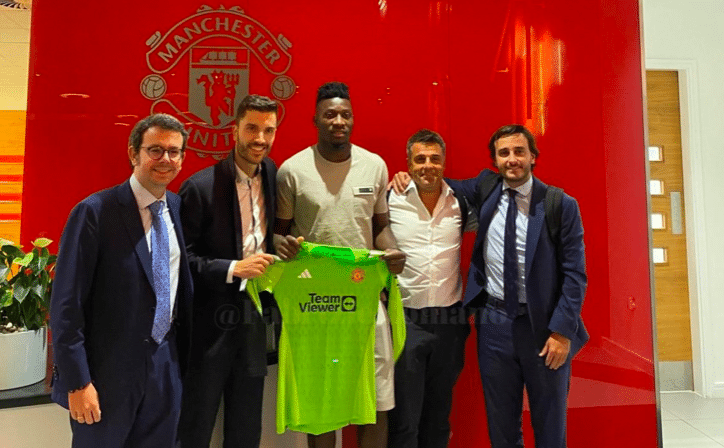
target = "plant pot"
x: 23, y: 358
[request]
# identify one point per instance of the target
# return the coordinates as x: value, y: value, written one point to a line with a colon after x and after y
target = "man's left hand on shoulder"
x: 399, y: 182
x: 395, y: 260
x: 556, y: 350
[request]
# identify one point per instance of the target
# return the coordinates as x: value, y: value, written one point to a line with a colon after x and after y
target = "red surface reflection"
x: 569, y: 70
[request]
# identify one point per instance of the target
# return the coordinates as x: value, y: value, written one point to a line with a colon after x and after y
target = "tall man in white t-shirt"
x: 333, y: 192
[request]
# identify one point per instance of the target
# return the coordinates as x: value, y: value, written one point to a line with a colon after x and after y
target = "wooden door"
x: 668, y: 221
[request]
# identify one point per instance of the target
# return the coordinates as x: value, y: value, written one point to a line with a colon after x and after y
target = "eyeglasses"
x: 157, y: 152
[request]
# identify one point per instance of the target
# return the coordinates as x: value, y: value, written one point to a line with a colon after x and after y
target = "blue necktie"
x: 161, y: 277
x: 510, y: 258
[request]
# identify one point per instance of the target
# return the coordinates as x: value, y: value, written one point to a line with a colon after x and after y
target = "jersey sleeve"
x: 264, y: 282
x: 286, y: 191
x: 394, y: 309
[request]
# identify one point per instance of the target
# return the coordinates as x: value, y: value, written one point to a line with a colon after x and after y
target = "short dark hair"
x: 332, y: 90
x: 425, y: 136
x: 258, y: 103
x: 163, y: 121
x: 508, y: 130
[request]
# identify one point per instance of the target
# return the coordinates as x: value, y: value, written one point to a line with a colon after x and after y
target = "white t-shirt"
x: 332, y: 202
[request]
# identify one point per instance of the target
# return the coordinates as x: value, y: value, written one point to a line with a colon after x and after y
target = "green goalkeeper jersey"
x: 328, y: 297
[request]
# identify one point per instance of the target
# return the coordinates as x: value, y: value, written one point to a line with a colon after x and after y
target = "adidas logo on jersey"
x: 305, y: 274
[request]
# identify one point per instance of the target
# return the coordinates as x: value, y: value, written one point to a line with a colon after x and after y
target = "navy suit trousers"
x: 509, y: 361
x: 149, y: 416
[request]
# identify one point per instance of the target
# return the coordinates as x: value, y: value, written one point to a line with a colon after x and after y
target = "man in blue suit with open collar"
x: 529, y: 327
x: 121, y: 302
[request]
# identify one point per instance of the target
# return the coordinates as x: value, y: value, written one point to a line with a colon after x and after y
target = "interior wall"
x: 14, y: 49
x: 461, y: 67
x: 687, y: 36
x: 14, y: 46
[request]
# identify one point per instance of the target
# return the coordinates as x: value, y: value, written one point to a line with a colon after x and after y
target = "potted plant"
x: 25, y: 282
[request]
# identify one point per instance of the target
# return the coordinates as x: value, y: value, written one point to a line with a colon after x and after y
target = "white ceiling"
x: 14, y: 52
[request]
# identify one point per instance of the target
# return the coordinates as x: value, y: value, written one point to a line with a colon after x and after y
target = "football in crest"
x: 153, y: 87
x: 283, y: 87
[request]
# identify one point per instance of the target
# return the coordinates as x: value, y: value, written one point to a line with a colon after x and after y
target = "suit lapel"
x: 536, y: 219
x: 269, y: 198
x: 229, y: 181
x: 132, y: 220
x: 174, y: 205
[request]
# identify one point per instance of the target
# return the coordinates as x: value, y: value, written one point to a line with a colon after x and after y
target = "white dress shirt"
x: 431, y: 277
x: 144, y: 198
x: 493, y: 248
x: 250, y: 192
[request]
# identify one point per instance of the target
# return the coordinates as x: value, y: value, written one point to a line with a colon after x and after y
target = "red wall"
x: 569, y: 70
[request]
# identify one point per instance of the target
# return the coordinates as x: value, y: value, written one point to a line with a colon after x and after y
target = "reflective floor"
x: 688, y: 420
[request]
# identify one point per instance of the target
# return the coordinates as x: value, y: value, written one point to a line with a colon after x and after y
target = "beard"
x: 245, y: 150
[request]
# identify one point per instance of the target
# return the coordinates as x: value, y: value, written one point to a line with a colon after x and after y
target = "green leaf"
x: 42, y: 242
x: 25, y: 260
x: 42, y: 262
x: 21, y: 288
x: 6, y: 299
x: 28, y: 313
x: 44, y: 278
x: 13, y: 251
x: 38, y: 289
x: 33, y: 265
x: 4, y: 242
x: 4, y: 270
x: 45, y: 301
x: 34, y: 314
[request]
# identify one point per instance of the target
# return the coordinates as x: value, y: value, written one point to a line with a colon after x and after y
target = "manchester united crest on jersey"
x: 358, y: 275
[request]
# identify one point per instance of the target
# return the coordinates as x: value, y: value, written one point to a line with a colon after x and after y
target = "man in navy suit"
x: 531, y: 291
x: 121, y: 303
x: 228, y: 219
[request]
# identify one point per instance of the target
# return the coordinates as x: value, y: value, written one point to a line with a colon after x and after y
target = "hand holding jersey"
x: 287, y: 246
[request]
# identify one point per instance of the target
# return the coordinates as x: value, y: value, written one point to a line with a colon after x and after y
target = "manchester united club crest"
x: 200, y: 72
x: 358, y: 275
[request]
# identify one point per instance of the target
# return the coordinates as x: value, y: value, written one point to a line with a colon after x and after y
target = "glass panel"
x: 656, y: 187
x: 656, y: 154
x: 659, y: 255
x: 657, y: 221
